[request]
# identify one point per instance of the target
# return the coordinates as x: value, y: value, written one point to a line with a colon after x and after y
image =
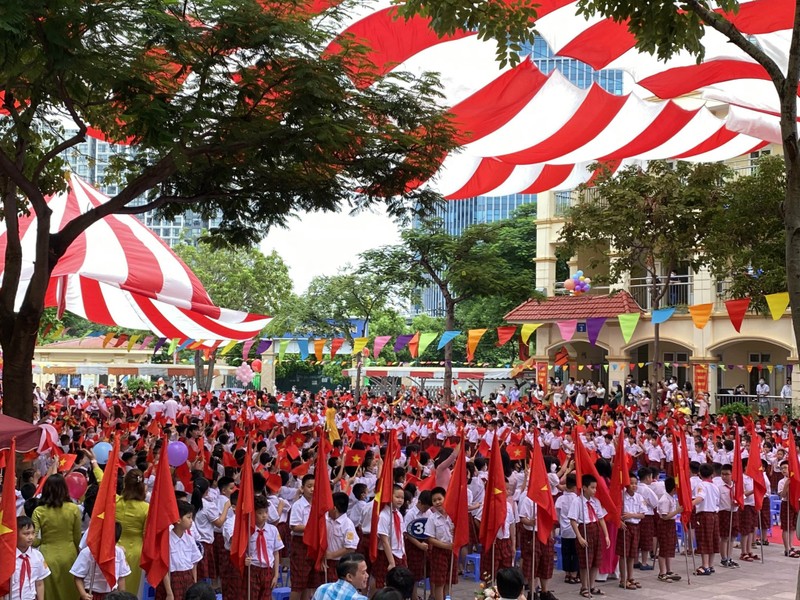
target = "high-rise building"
x: 89, y: 161
x: 457, y: 215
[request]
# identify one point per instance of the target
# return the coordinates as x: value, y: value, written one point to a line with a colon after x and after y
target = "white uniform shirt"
x: 580, y: 511
x: 203, y: 521
x: 341, y: 533
x: 710, y: 495
x: 633, y: 504
x: 440, y: 527
x: 563, y: 503
x: 273, y: 542
x: 300, y: 512
x: 386, y: 527
x: 39, y: 571
x: 183, y: 552
x: 82, y: 567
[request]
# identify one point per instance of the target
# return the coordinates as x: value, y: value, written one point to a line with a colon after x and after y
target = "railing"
x: 567, y: 199
x: 680, y: 291
x: 599, y: 290
x: 764, y: 405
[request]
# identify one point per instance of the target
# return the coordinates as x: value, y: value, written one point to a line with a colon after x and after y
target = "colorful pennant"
x: 701, y: 313
x: 504, y: 334
x: 425, y: 340
x: 627, y: 324
x: 319, y: 348
x: 473, y: 337
x: 527, y: 330
x: 736, y: 311
x: 778, y: 303
x: 593, y: 327
x: 567, y: 328
x: 447, y: 337
x: 662, y: 315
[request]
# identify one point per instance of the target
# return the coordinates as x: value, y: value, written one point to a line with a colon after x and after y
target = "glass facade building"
x: 457, y: 215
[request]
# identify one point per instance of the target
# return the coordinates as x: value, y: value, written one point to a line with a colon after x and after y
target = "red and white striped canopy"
x: 525, y: 132
x: 118, y: 272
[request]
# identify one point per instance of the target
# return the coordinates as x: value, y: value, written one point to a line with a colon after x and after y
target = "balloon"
x: 177, y: 454
x: 101, y: 452
x: 256, y: 366
x: 76, y: 485
x: 569, y: 284
x: 579, y: 273
x: 587, y: 280
x: 581, y: 278
x: 48, y: 438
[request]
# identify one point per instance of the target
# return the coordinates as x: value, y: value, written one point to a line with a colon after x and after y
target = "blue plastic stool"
x: 283, y: 576
x: 149, y: 591
x: 517, y: 557
x: 426, y: 583
x: 281, y: 593
x: 557, y: 551
x: 472, y: 567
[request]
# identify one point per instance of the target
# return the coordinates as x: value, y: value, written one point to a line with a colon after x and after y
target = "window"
x: 759, y: 359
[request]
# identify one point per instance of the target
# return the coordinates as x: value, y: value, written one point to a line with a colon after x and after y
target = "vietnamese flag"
x: 620, y: 476
x: 738, y: 473
x: 585, y: 466
x: 244, y: 525
x: 455, y: 501
x: 755, y: 470
x: 354, y: 458
x: 155, y: 546
x: 516, y: 452
x: 539, y: 493
x: 680, y: 461
x: 794, y: 475
x: 101, y: 537
x: 315, y: 536
x: 66, y: 462
x: 495, y: 507
x: 8, y: 520
x: 383, y: 489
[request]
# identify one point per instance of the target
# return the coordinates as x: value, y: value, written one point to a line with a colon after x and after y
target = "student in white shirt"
x: 30, y: 586
x: 208, y: 515
x: 706, y: 499
x: 183, y: 557
x: 90, y: 581
x: 264, y: 552
x: 391, y: 546
x: 666, y: 533
x: 342, y: 536
x: 569, y: 552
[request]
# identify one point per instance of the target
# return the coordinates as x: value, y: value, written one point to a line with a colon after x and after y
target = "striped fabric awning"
x: 119, y: 273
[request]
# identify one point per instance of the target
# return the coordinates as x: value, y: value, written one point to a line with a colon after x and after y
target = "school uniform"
x: 788, y: 516
x: 301, y: 560
x: 263, y: 544
x: 707, y: 518
x: 647, y: 527
x: 569, y: 552
x: 666, y: 532
x: 341, y: 534
x: 183, y: 556
x: 221, y: 560
x: 588, y: 512
x: 728, y: 513
x: 390, y: 524
x: 440, y: 526
x: 526, y: 533
x: 628, y: 538
x: 747, y: 516
x: 543, y: 562
x: 94, y: 581
x: 230, y: 579
x: 501, y: 550
x: 416, y: 557
x: 30, y: 568
x: 204, y: 529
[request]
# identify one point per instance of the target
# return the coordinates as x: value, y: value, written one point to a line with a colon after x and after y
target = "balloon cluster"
x: 578, y: 284
x: 244, y: 373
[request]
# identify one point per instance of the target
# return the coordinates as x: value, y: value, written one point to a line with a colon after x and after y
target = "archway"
x: 583, y: 361
x: 674, y: 355
x: 742, y: 362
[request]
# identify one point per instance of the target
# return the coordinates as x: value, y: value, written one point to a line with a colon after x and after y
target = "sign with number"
x: 416, y: 529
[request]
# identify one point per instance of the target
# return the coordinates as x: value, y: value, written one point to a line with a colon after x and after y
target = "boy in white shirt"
x: 90, y: 581
x: 569, y: 552
x: 27, y: 582
x: 342, y: 536
x: 264, y: 553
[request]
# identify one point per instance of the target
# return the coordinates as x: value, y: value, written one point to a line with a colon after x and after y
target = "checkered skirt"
x: 590, y: 556
x: 786, y: 525
x: 525, y: 538
x: 628, y: 540
x: 416, y: 561
x: 180, y: 581
x: 440, y: 563
x: 545, y: 554
x: 667, y: 535
x: 747, y: 520
x: 260, y: 583
x: 301, y: 566
x: 207, y: 567
x: 707, y: 533
x: 647, y: 531
x: 728, y: 521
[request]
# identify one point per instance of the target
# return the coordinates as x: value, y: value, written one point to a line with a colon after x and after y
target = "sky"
x: 321, y: 243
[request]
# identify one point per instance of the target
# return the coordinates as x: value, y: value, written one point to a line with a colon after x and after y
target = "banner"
x: 447, y: 337
x: 473, y: 337
x: 778, y: 303
x: 627, y: 325
x: 336, y: 343
x: 541, y: 375
x: 173, y: 344
x: 146, y: 341
x: 736, y: 311
x: 159, y: 344
x: 358, y: 344
x: 302, y: 347
x: 567, y: 328
x: 504, y: 334
x: 662, y: 315
x: 527, y: 330
x: 246, y: 348
x: 402, y: 341
x: 283, y: 344
x: 701, y: 378
x: 593, y: 327
x: 319, y: 348
x: 701, y: 313
x: 425, y: 340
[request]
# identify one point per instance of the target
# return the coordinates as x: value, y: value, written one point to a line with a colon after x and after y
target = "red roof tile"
x: 559, y: 308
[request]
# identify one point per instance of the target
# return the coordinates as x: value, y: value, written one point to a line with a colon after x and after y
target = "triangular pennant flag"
x: 380, y: 342
x: 402, y: 341
x: 567, y: 328
x: 701, y: 313
x: 527, y: 330
x: 426, y: 339
x: 282, y: 346
x: 185, y: 344
x: 173, y: 344
x: 319, y: 348
x: 146, y: 341
x: 336, y: 343
x: 246, y: 348
x: 505, y: 333
x: 302, y: 347
x: 358, y: 344
x: 593, y: 327
x: 736, y: 311
x: 263, y: 346
x: 120, y: 340
x: 106, y: 338
x: 132, y: 341
x: 778, y: 303
x: 59, y: 332
x: 662, y: 315
x: 447, y: 337
x: 627, y: 324
x: 159, y: 344
x: 228, y: 347
x: 413, y: 345
x: 473, y: 337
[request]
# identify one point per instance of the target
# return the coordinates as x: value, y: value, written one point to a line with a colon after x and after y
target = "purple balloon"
x: 177, y: 454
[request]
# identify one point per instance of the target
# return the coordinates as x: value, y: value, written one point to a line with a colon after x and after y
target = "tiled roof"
x: 88, y: 343
x: 559, y: 308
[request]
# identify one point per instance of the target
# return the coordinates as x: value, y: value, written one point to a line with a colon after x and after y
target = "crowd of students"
x: 413, y: 530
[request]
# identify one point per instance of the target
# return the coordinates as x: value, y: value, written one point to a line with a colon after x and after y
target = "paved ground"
x: 775, y: 579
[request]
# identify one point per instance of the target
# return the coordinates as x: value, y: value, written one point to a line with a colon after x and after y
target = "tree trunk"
x: 654, y: 304
x: 359, y: 363
x: 792, y: 221
x: 18, y: 334
x: 212, y: 362
x: 449, y: 325
x: 198, y: 369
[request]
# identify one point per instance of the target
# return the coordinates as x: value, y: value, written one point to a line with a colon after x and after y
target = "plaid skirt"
x: 474, y: 528
x: 180, y: 581
x: 231, y: 581
x: 301, y: 566
x: 440, y: 564
x: 747, y: 520
x: 647, y: 531
x: 669, y: 468
x: 667, y: 535
x: 707, y: 536
x: 728, y: 521
x: 380, y: 566
x: 219, y: 553
x: 766, y: 515
x: 206, y: 568
x: 628, y: 540
x: 329, y: 574
x: 591, y: 556
x: 525, y: 539
x: 545, y: 554
x: 286, y: 536
x: 260, y: 583
x: 786, y: 525
x: 363, y: 549
x: 503, y: 558
x: 417, y: 560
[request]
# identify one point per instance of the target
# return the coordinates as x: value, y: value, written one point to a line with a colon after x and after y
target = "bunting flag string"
x: 736, y: 311
x: 701, y: 313
x: 336, y: 343
x: 567, y: 328
x: 413, y: 345
x: 426, y: 339
x: 159, y: 344
x: 662, y: 315
x: 447, y: 337
x: 282, y: 346
x: 132, y: 341
x: 473, y: 337
x: 593, y: 327
x: 627, y: 324
x: 173, y: 344
x: 778, y: 303
x: 246, y: 348
x: 402, y: 341
x: 319, y: 348
x: 228, y: 347
x: 380, y: 342
x: 527, y: 330
x: 358, y: 344
x: 263, y: 346
x: 504, y: 334
x: 302, y: 346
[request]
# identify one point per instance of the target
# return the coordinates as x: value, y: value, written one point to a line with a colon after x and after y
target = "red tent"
x: 28, y: 436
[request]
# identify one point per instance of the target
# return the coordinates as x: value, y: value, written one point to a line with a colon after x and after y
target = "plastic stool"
x: 472, y: 567
x: 281, y: 593
x: 557, y: 552
x: 426, y: 583
x: 149, y: 591
x: 518, y: 557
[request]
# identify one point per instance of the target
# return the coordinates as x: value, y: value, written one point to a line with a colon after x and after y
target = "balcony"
x: 679, y: 293
x: 568, y: 199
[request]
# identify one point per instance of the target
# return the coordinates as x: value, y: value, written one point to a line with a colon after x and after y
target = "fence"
x: 765, y: 405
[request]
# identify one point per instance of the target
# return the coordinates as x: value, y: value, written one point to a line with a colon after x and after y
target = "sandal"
x: 701, y: 571
x: 793, y: 553
x: 746, y: 558
x: 636, y: 583
x: 627, y: 585
x: 574, y: 580
x: 665, y: 578
x: 598, y: 592
x: 585, y: 593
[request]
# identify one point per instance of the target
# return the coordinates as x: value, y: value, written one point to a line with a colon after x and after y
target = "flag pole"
x: 424, y: 577
x: 533, y: 558
x: 730, y: 531
x: 91, y: 574
x: 249, y: 517
x: 494, y: 574
x: 691, y: 545
x: 686, y: 557
x: 761, y: 535
x: 624, y: 544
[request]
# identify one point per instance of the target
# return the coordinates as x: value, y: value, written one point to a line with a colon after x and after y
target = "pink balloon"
x: 76, y: 485
x: 569, y: 284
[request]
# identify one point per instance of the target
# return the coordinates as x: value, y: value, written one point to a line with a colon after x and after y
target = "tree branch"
x: 161, y: 201
x: 23, y: 183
